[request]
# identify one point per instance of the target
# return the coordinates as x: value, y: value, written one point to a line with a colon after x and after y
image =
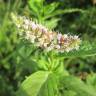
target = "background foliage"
x: 66, y: 16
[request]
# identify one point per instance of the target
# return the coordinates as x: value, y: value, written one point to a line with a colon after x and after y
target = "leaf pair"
x: 43, y: 83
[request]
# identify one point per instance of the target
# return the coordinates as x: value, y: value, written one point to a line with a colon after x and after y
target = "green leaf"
x: 38, y: 84
x: 69, y: 93
x: 91, y: 80
x: 50, y: 87
x: 65, y: 11
x: 76, y: 85
x: 86, y: 49
x: 32, y: 85
x: 36, y: 6
x: 52, y: 23
x: 50, y: 8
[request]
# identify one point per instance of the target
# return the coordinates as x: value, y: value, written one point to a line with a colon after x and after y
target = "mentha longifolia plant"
x: 51, y: 48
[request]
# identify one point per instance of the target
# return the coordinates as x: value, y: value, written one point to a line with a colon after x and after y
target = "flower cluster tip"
x: 42, y: 37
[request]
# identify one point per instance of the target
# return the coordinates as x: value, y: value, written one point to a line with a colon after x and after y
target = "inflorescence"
x: 42, y: 37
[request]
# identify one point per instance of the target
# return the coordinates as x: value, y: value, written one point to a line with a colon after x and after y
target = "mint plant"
x: 51, y: 48
x: 47, y: 14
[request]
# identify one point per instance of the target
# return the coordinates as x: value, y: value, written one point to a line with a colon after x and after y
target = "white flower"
x: 75, y: 37
x: 26, y: 22
x: 33, y: 25
x: 65, y: 36
x: 59, y: 36
x: 57, y: 46
x: 42, y: 37
x: 25, y: 27
x: 33, y: 38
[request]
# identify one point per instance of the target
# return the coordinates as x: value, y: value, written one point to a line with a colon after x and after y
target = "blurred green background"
x: 66, y: 16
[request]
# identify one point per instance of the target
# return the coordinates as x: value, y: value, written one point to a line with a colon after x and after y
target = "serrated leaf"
x: 37, y: 84
x: 50, y: 8
x: 35, y: 6
x: 86, y: 49
x: 65, y: 11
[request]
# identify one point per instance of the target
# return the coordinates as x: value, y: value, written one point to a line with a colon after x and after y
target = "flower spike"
x: 42, y: 37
